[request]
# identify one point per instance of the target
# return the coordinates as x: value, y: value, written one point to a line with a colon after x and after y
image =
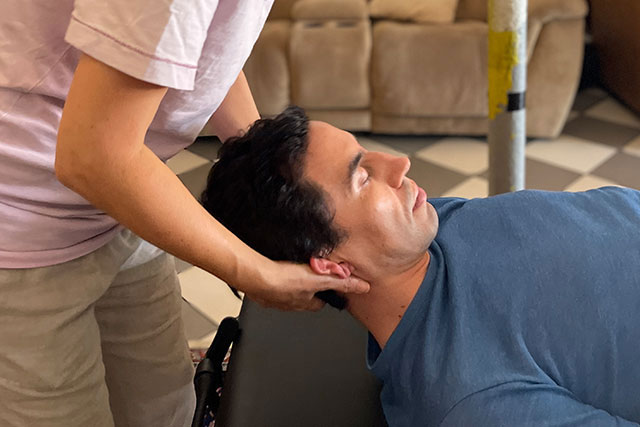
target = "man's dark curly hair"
x: 256, y: 189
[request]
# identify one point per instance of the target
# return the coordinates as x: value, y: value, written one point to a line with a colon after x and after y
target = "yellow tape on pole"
x: 503, y: 56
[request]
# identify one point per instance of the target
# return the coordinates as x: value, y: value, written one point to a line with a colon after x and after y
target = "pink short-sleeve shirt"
x: 194, y: 47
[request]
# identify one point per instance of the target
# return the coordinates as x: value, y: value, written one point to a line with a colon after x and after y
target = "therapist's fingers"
x: 292, y: 287
x: 316, y: 304
x: 351, y: 285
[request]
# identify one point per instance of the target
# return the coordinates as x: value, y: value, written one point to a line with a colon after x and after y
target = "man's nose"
x: 397, y: 168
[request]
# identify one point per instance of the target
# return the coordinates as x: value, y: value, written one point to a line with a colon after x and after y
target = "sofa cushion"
x: 429, y: 70
x: 426, y: 11
x: 329, y: 63
x: 267, y: 68
x: 329, y: 9
x: 472, y: 9
x: 281, y: 9
x: 446, y: 65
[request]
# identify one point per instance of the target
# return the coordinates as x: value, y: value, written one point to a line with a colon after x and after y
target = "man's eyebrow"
x: 353, y: 165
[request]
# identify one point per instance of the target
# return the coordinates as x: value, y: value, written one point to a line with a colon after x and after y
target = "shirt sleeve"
x: 156, y: 41
x: 525, y: 404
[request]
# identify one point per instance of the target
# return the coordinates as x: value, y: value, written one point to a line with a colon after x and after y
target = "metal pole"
x: 507, y: 88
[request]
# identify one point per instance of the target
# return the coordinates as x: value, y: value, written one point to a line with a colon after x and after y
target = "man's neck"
x: 381, y: 309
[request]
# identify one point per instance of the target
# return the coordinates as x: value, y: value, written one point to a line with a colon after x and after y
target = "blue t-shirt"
x: 529, y: 315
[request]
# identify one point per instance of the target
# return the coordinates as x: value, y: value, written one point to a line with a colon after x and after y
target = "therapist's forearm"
x: 237, y: 112
x: 101, y: 155
x: 144, y: 195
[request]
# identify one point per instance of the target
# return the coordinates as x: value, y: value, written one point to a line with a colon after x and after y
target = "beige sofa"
x: 398, y: 77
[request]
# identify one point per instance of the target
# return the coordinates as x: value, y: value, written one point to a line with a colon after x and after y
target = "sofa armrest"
x: 329, y: 9
x: 544, y: 11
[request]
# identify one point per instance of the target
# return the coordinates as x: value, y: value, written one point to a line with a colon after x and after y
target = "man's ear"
x: 325, y: 266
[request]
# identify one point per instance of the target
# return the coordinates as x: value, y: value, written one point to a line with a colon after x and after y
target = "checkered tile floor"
x: 600, y: 145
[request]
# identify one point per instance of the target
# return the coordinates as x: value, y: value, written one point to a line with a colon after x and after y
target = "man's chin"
x: 434, y: 222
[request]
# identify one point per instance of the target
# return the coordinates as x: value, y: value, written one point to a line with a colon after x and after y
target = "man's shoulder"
x: 446, y: 205
x: 517, y: 213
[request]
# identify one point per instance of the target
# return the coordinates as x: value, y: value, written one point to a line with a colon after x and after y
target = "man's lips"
x: 421, y: 197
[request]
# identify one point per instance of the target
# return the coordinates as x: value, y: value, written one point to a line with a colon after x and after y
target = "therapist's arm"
x: 522, y: 404
x: 237, y: 112
x: 101, y: 155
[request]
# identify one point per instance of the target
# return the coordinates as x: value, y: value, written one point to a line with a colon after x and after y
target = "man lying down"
x: 516, y: 310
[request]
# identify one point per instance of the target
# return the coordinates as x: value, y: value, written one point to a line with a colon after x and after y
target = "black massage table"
x: 299, y: 370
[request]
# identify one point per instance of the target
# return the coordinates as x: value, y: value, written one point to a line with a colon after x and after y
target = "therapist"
x: 94, y: 96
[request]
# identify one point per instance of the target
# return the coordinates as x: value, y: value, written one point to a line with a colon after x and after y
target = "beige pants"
x: 83, y: 344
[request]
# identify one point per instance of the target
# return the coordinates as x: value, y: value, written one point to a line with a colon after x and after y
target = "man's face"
x: 388, y: 221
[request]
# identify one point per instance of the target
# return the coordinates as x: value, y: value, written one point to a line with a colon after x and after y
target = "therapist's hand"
x: 292, y: 287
